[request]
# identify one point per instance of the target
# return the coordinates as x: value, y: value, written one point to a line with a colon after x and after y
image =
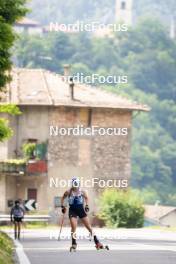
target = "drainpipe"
x: 69, y: 80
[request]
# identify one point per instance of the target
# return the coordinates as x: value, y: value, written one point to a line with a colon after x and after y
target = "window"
x: 123, y: 5
x: 57, y: 202
x: 10, y: 203
x: 32, y: 140
x: 32, y: 194
x: 86, y: 116
x: 89, y: 117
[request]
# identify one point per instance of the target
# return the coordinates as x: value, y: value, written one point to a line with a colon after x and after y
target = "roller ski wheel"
x: 73, y: 248
x: 101, y: 246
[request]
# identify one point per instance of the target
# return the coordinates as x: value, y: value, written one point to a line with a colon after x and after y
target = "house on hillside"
x: 160, y: 215
x: 46, y: 102
x: 29, y: 26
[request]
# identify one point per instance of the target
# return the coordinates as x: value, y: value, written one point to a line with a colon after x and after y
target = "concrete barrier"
x: 27, y: 218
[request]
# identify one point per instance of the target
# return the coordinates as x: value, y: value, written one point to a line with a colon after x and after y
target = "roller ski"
x: 100, y: 246
x: 73, y: 248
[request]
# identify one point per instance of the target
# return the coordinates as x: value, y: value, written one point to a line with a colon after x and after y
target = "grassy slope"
x: 6, y: 249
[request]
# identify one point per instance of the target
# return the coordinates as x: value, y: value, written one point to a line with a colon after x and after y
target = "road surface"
x: 132, y: 247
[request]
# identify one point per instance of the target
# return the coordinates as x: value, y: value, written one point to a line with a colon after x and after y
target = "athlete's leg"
x: 86, y: 223
x: 15, y: 229
x: 73, y: 223
x: 19, y: 229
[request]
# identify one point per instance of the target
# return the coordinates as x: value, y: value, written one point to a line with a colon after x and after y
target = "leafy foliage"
x: 29, y: 149
x: 121, y: 209
x: 96, y: 10
x: 5, y: 131
x: 10, y: 11
x: 10, y: 109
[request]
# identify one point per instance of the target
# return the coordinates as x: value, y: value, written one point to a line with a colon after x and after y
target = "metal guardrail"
x: 27, y: 218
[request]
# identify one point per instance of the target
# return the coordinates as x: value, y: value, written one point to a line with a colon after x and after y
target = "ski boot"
x: 101, y: 246
x: 73, y: 248
x: 74, y: 245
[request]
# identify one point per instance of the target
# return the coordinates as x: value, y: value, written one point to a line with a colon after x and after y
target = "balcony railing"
x: 33, y: 163
x: 37, y: 167
x: 20, y: 167
x: 13, y: 166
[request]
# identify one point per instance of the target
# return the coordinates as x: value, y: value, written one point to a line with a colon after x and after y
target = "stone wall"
x: 110, y: 155
x: 104, y: 157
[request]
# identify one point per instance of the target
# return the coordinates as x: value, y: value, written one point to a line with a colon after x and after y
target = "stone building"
x: 46, y: 102
x: 124, y: 11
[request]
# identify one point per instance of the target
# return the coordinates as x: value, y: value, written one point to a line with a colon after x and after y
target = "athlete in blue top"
x: 78, y: 207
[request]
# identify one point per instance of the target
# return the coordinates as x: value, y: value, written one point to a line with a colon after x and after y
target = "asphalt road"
x: 46, y: 250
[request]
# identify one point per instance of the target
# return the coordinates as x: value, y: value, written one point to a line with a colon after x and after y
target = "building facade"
x: 48, y: 105
x: 160, y: 215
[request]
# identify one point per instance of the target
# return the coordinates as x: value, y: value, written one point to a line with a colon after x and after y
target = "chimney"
x: 71, y: 88
x: 66, y: 70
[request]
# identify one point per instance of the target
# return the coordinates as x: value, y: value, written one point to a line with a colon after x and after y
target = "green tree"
x: 150, y: 58
x: 10, y: 11
x: 5, y: 130
x: 30, y: 52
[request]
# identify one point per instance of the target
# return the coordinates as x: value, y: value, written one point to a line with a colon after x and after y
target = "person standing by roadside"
x: 17, y: 215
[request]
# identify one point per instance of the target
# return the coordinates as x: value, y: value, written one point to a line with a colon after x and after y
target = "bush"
x: 121, y: 209
x: 29, y: 150
x: 5, y: 131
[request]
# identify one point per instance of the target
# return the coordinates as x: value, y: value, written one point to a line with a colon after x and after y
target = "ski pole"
x: 23, y: 226
x: 62, y: 222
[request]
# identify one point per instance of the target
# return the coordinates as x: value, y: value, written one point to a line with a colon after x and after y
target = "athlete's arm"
x: 65, y: 195
x: 62, y: 202
x: 22, y: 209
x: 86, y: 199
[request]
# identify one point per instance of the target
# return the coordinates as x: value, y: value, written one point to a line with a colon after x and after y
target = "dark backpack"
x: 18, y: 212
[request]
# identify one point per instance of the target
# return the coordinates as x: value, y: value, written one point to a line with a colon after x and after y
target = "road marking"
x: 129, y: 247
x: 23, y: 259
x: 164, y: 247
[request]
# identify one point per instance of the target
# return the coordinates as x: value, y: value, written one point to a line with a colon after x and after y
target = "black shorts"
x: 77, y: 211
x: 18, y: 219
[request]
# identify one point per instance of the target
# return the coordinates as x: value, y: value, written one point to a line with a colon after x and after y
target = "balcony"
x: 13, y: 166
x: 34, y: 163
x: 36, y: 167
x: 30, y: 167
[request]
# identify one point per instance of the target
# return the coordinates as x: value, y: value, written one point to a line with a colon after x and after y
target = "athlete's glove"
x: 63, y: 209
x: 86, y: 208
